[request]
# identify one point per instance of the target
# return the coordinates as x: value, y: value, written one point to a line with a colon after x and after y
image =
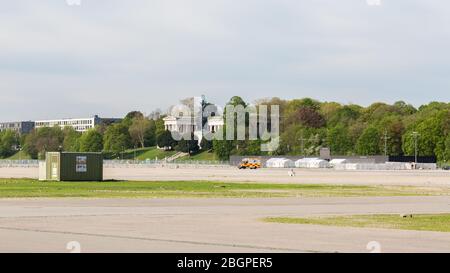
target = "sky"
x: 109, y: 57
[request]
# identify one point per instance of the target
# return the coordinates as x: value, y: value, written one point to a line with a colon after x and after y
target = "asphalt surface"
x: 219, y: 225
x: 230, y: 174
x: 209, y: 225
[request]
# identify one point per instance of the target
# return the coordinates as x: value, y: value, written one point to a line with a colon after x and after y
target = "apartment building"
x: 21, y: 127
x: 79, y: 124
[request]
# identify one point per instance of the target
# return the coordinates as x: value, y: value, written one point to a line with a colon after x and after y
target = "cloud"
x: 111, y: 56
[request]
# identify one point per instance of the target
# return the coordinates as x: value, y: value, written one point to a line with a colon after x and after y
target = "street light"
x: 386, y: 137
x: 302, y: 139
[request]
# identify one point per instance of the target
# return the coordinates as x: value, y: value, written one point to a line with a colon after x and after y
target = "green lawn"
x: 424, y: 222
x: 154, y: 153
x: 142, y: 154
x: 19, y: 156
x: 12, y: 188
x: 203, y: 156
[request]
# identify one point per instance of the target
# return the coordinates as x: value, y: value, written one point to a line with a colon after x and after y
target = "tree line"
x: 306, y: 126
x: 134, y: 131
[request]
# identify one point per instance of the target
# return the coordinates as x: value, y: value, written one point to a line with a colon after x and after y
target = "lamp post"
x: 385, y: 142
x: 302, y: 141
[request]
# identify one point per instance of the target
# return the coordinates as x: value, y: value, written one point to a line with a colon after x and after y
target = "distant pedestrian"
x: 291, y: 173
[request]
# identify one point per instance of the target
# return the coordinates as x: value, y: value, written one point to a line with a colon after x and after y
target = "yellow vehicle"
x: 250, y: 163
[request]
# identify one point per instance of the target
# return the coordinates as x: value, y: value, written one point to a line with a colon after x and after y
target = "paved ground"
x: 418, y: 178
x: 208, y: 225
x: 218, y: 225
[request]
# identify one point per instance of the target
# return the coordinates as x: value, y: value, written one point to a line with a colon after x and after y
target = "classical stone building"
x: 184, y: 125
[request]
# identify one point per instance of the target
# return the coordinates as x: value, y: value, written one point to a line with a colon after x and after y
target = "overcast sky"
x: 108, y: 57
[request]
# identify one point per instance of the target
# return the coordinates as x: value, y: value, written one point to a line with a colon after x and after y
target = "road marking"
x: 162, y: 240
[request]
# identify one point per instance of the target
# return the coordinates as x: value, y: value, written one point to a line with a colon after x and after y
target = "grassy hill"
x: 202, y: 156
x: 151, y: 153
x: 154, y: 153
x: 19, y: 156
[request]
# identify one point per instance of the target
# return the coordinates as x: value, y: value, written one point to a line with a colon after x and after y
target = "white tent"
x: 287, y: 163
x: 279, y: 163
x: 304, y: 162
x: 318, y: 164
x: 271, y: 162
x: 337, y: 161
x: 313, y: 163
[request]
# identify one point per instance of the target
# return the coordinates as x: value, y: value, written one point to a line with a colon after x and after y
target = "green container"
x: 74, y: 166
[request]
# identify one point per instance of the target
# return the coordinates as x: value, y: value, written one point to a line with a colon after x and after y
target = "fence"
x: 19, y: 163
x: 118, y: 163
x: 164, y: 164
x: 388, y: 166
x: 408, y: 159
x: 219, y: 164
x: 235, y: 160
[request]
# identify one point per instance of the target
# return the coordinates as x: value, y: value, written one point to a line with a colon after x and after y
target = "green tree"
x: 188, y: 145
x: 446, y: 156
x: 404, y: 109
x: 139, y: 129
x: 345, y: 115
x: 308, y: 117
x: 236, y: 100
x: 42, y: 140
x: 71, y: 141
x: 8, y: 143
x: 91, y: 141
x: 165, y: 140
x: 223, y: 148
x: 150, y: 134
x: 294, y: 105
x: 339, y: 141
x: 391, y: 130
x: 251, y: 147
x: 368, y: 143
x: 117, y: 138
x: 133, y: 115
x: 431, y: 135
x: 159, y: 124
x: 206, y: 144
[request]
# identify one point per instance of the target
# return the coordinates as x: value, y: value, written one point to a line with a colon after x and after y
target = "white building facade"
x: 78, y: 124
x: 185, y: 125
x: 189, y: 118
x: 20, y: 127
x: 215, y: 124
